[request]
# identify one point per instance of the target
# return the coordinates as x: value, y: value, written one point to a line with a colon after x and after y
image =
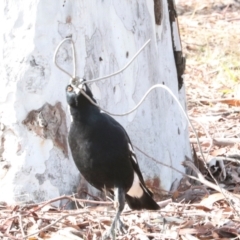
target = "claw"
x: 120, y: 227
x: 117, y: 226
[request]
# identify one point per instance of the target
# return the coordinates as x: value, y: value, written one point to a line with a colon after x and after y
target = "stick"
x: 231, y: 199
x: 218, y: 141
x: 121, y: 70
x: 74, y: 61
x: 72, y: 199
x: 21, y: 225
x: 50, y: 225
x: 74, y: 57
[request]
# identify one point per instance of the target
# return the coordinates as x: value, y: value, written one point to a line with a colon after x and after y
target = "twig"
x: 74, y: 57
x: 155, y: 160
x: 91, y: 195
x: 121, y: 70
x: 141, y: 101
x: 212, y: 72
x: 93, y: 201
x: 188, y: 163
x: 218, y: 141
x: 20, y: 225
x: 195, y: 44
x: 75, y: 201
x: 231, y: 199
x: 234, y: 156
x: 164, y: 203
x: 207, y: 134
x: 205, y: 100
x: 72, y: 199
x: 52, y: 224
x: 54, y: 200
x: 74, y: 61
x: 226, y: 159
x: 224, y: 114
x: 233, y: 19
x: 50, y: 201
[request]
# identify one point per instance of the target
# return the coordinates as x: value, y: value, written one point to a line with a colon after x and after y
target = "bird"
x: 104, y: 155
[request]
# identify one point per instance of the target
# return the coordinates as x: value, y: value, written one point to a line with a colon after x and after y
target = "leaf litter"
x: 198, y: 207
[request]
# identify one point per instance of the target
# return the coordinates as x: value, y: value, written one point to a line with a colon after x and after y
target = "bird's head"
x: 74, y: 95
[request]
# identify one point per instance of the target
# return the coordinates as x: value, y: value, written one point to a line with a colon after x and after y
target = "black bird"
x: 103, y: 153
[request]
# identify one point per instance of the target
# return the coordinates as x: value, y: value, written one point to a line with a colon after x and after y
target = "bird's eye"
x: 69, y: 89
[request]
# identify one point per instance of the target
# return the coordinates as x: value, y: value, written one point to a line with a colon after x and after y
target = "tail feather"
x: 144, y: 202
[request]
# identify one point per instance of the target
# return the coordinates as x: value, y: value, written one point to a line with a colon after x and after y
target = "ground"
x: 206, y: 207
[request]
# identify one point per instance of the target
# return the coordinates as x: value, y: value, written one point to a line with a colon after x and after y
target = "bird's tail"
x: 144, y: 202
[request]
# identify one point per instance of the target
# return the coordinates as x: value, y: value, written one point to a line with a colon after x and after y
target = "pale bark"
x: 35, y: 161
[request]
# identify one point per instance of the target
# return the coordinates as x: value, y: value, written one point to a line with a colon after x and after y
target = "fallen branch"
x: 233, y: 19
x: 217, y: 141
x: 229, y: 101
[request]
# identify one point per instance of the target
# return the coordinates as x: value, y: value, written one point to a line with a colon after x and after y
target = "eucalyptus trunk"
x: 35, y: 161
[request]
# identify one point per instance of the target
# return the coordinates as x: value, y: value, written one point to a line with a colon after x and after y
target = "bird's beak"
x: 76, y: 90
x: 76, y: 84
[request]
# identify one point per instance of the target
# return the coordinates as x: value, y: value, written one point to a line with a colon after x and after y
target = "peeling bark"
x: 49, y: 122
x: 36, y: 165
x: 158, y: 11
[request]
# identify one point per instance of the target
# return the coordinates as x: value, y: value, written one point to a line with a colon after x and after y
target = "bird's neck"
x: 83, y: 113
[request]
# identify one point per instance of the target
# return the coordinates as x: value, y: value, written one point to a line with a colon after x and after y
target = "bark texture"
x: 35, y: 161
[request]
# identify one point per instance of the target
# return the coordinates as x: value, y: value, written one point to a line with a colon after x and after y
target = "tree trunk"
x: 36, y: 163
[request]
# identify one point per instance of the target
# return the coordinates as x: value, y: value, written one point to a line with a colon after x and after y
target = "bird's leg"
x: 119, y: 202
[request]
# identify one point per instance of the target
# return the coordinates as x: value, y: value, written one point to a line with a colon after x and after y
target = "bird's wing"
x: 136, y: 168
x: 132, y: 156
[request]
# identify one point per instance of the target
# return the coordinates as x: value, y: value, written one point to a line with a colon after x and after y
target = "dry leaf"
x: 210, y: 200
x: 218, y: 152
x: 49, y: 208
x: 232, y: 102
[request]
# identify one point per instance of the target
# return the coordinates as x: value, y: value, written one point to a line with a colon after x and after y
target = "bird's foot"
x: 117, y: 226
x: 120, y: 227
